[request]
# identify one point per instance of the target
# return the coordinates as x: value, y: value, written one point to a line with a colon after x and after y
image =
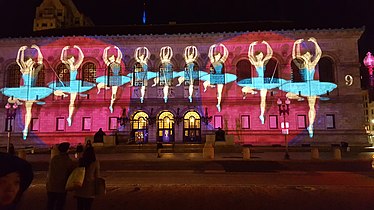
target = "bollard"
x: 337, y: 153
x: 21, y: 154
x: 208, y: 151
x: 246, y: 153
x: 315, y: 153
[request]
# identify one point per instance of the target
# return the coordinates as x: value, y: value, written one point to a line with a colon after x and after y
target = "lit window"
x: 86, y: 123
x: 60, y: 124
x: 330, y: 121
x: 35, y: 124
x: 245, y: 122
x: 301, y: 121
x: 89, y: 73
x: 112, y: 123
x: 273, y: 121
x: 217, y: 121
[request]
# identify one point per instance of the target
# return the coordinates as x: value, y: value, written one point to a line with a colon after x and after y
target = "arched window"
x: 243, y: 70
x: 88, y: 73
x: 326, y: 69
x: 165, y: 127
x: 271, y: 71
x: 40, y: 82
x: 139, y: 127
x: 14, y: 75
x: 295, y: 74
x: 165, y: 75
x: 191, y: 127
x: 63, y: 75
x: 195, y: 75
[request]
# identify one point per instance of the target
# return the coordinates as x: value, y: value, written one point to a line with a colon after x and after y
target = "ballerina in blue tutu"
x: 141, y: 75
x: 309, y: 87
x: 166, y: 71
x: 114, y: 80
x: 74, y: 86
x: 190, y: 74
x: 260, y: 82
x: 28, y: 92
x: 217, y: 75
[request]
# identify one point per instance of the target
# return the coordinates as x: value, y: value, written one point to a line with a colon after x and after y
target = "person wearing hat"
x: 16, y: 176
x: 59, y: 170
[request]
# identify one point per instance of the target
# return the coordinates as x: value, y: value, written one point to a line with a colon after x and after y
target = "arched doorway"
x: 191, y: 127
x: 165, y: 127
x: 139, y: 127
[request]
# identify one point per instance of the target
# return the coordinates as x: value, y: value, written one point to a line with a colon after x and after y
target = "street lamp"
x: 284, y: 108
x: 369, y: 63
x: 206, y: 118
x: 10, y: 115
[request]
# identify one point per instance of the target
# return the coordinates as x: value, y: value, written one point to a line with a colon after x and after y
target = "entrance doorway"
x: 192, y: 127
x: 139, y: 127
x: 165, y: 127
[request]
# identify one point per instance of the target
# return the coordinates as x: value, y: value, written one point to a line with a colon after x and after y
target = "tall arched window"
x: 165, y: 75
x: 165, y: 127
x: 191, y: 127
x: 13, y: 76
x: 63, y: 75
x: 139, y: 127
x: 326, y: 69
x: 88, y: 73
x: 295, y: 74
x: 195, y: 75
x: 40, y: 82
x: 243, y: 70
x: 271, y: 71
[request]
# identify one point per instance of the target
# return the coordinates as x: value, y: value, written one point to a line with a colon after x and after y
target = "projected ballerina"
x: 309, y: 87
x: 113, y: 78
x: 141, y: 75
x: 165, y: 76
x: 28, y: 92
x: 217, y: 69
x: 191, y: 73
x: 74, y: 86
x: 260, y: 82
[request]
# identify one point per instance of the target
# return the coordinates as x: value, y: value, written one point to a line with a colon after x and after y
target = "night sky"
x: 17, y: 15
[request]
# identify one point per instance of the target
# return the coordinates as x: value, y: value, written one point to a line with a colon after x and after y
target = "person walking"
x: 16, y: 176
x: 59, y: 170
x: 86, y: 194
x: 159, y: 147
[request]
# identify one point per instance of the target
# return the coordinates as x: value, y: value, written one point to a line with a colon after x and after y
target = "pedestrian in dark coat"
x: 59, y: 170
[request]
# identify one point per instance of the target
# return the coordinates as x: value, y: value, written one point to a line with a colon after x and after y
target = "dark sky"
x: 17, y: 15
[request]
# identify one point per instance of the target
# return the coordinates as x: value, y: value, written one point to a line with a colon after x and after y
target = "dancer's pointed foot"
x: 111, y: 109
x: 141, y: 99
x: 190, y: 98
x: 310, y: 131
x: 218, y: 107
x: 262, y: 119
x: 24, y: 132
x: 165, y: 100
x: 69, y: 121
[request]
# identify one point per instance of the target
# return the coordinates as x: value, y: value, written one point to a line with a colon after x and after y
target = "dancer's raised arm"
x: 40, y: 55
x: 318, y: 51
x: 251, y: 55
x: 63, y: 55
x: 166, y: 54
x: 190, y: 54
x: 105, y: 56
x: 80, y: 57
x: 210, y: 53
x: 269, y: 51
x: 20, y: 57
x: 119, y: 55
x: 225, y: 53
x: 296, y: 49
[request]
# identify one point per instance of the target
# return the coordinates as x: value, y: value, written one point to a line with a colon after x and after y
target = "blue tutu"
x: 72, y: 86
x: 113, y: 80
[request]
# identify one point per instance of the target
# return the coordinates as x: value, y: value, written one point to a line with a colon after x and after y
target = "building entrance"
x: 192, y: 127
x: 139, y: 127
x: 165, y: 127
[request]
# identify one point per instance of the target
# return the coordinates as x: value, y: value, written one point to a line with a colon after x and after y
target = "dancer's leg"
x: 263, y: 93
x: 71, y: 107
x: 166, y: 91
x: 27, y: 118
x: 142, y: 91
x: 113, y: 98
x: 311, y: 114
x: 219, y: 96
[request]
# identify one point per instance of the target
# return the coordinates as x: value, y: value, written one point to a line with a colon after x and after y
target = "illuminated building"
x: 156, y: 90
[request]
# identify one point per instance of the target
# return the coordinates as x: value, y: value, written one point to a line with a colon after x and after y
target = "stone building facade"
x: 339, y: 112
